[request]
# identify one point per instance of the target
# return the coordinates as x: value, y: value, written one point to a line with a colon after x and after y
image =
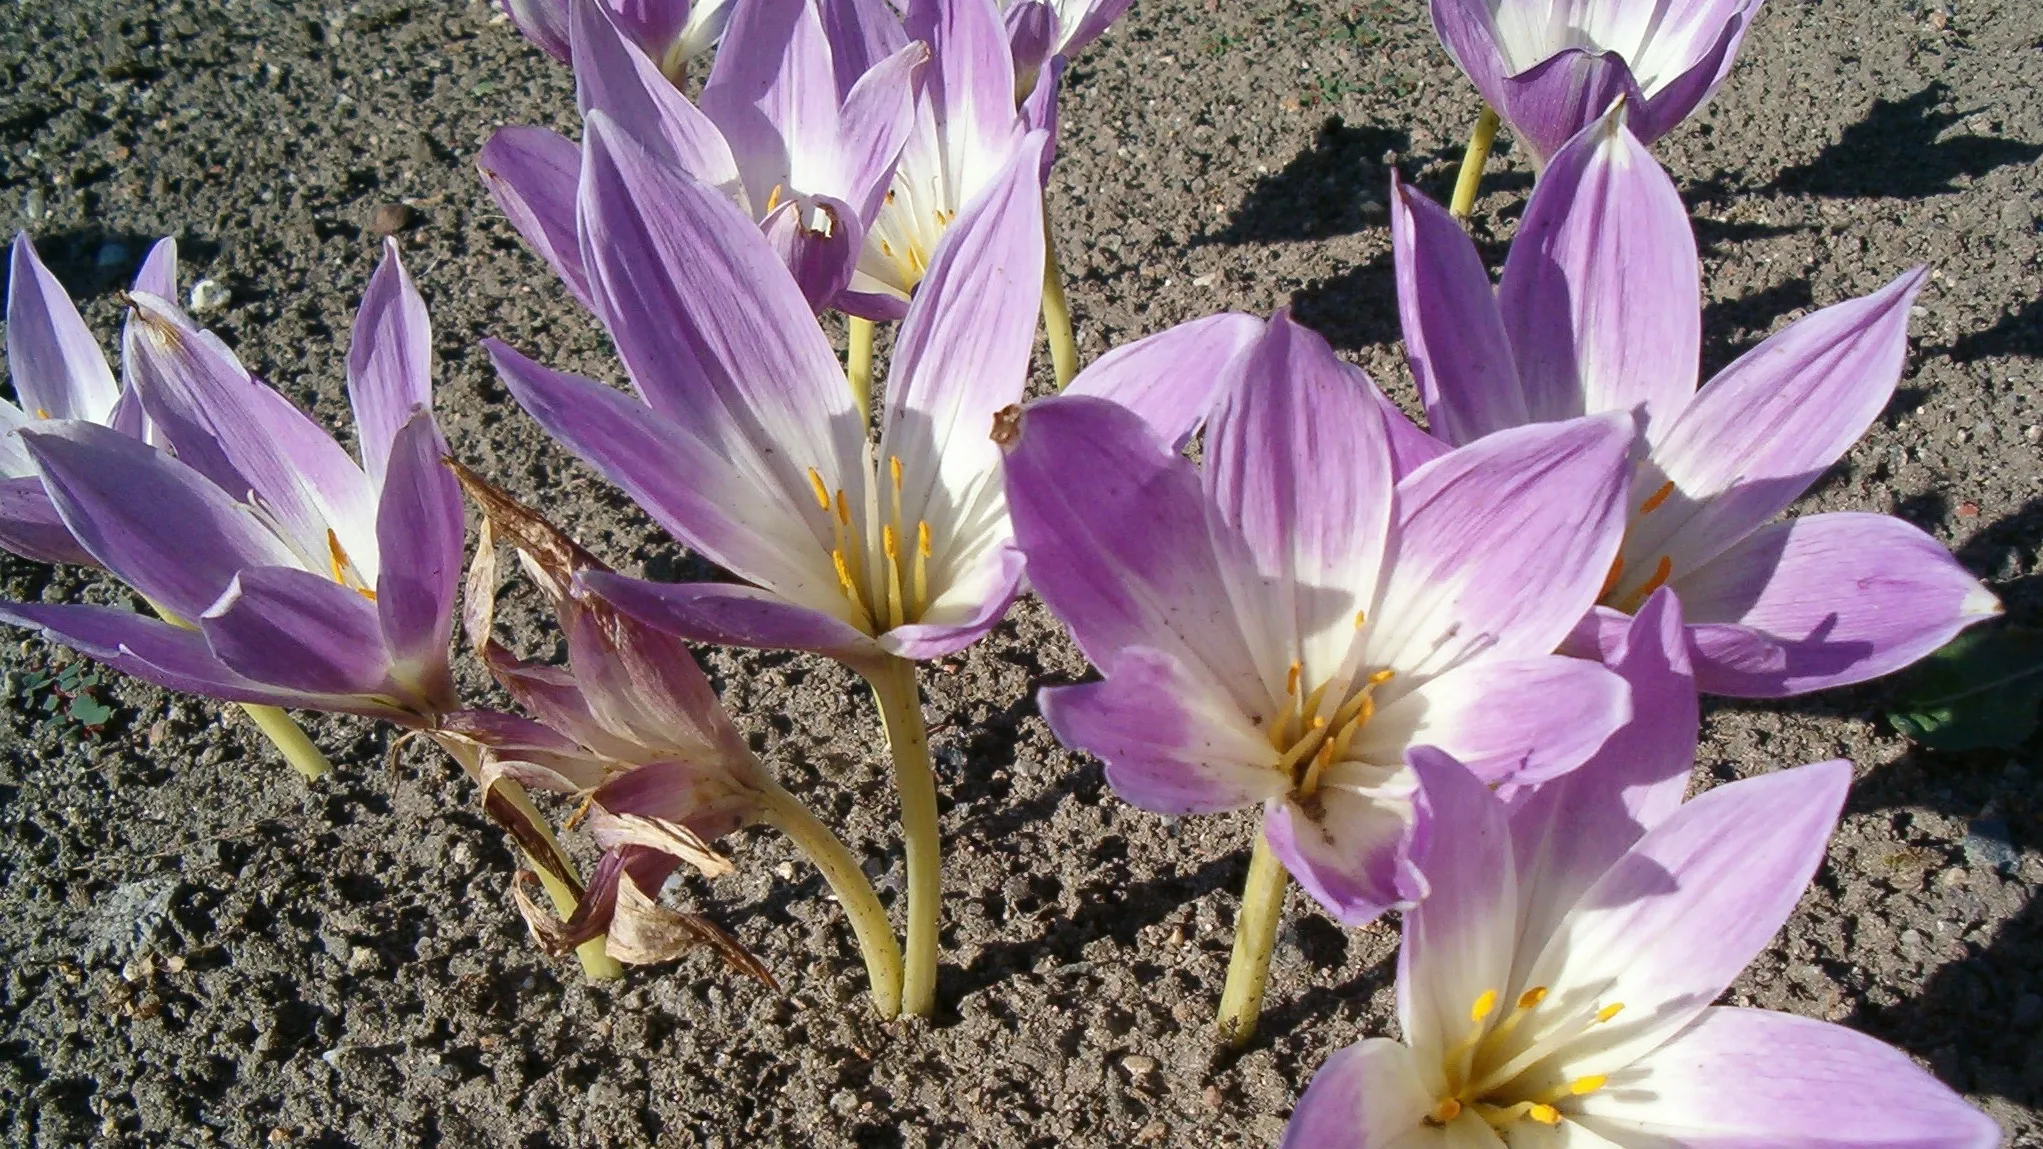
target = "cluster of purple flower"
x: 1457, y: 668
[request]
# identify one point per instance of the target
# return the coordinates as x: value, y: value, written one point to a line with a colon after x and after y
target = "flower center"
x: 1620, y: 594
x: 1487, y: 1070
x: 343, y: 568
x: 887, y: 585
x: 1313, y: 729
x: 907, y: 229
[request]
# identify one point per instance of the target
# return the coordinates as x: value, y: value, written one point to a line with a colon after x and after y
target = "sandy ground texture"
x: 197, y: 948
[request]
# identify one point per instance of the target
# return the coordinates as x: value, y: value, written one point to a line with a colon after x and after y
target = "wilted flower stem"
x: 289, y: 740
x: 1255, y: 938
x: 1057, y: 310
x: 895, y: 691
x: 858, y: 362
x: 1472, y: 162
x: 595, y: 958
x: 782, y: 811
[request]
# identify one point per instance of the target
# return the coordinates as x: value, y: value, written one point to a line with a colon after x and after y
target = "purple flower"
x: 1281, y: 625
x: 288, y: 574
x: 1041, y: 29
x: 1598, y: 312
x: 1555, y: 986
x: 1550, y: 69
x: 800, y: 132
x: 668, y: 32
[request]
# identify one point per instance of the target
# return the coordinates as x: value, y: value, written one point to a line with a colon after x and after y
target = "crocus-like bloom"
x: 1554, y: 988
x: 1040, y: 29
x: 1598, y: 311
x: 288, y: 574
x: 669, y: 32
x: 59, y: 373
x: 801, y: 137
x: 1550, y: 67
x: 1283, y: 624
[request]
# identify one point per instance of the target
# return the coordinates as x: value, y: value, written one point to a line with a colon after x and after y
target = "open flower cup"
x: 1598, y: 311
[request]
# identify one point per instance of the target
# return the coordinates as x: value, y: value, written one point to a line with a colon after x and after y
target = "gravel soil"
x: 198, y: 948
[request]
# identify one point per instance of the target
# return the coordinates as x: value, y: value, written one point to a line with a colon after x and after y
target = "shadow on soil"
x: 1901, y: 150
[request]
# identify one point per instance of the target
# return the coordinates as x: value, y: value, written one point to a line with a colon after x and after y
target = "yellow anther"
x: 889, y: 543
x: 844, y: 574
x: 1382, y: 676
x: 1532, y: 997
x: 1319, y: 722
x: 42, y: 413
x: 922, y: 538
x: 894, y: 469
x: 1361, y: 616
x: 1661, y: 572
x: 1309, y: 785
x: 1609, y: 1011
x: 1291, y: 679
x: 843, y: 508
x: 336, y: 556
x: 773, y: 198
x: 887, y: 249
x: 1445, y: 1112
x: 1544, y: 1114
x: 1610, y: 580
x: 1654, y: 500
x: 1484, y: 1005
x: 1582, y: 1086
x: 822, y: 492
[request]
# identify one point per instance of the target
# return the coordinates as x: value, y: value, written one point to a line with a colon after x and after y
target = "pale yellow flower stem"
x: 289, y: 740
x: 1255, y: 939
x: 1057, y: 310
x: 858, y: 366
x: 784, y: 812
x: 595, y: 958
x: 1472, y: 164
x: 894, y: 689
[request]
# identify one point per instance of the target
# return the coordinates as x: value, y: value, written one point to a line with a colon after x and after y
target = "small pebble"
x: 209, y: 295
x: 785, y: 871
x: 1138, y: 1065
x: 2033, y: 432
x: 1154, y: 1131
x: 391, y: 218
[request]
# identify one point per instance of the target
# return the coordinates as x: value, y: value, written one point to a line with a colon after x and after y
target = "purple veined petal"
x: 1126, y: 558
x: 1502, y: 545
x: 715, y: 332
x: 878, y: 114
x: 1031, y: 40
x: 970, y: 88
x: 1599, y: 294
x: 1349, y: 852
x: 699, y: 797
x: 1771, y: 423
x: 1171, y: 379
x: 172, y: 657
x: 1740, y: 1078
x: 158, y: 275
x: 819, y: 239
x: 1458, y: 941
x: 390, y: 362
x: 300, y: 631
x: 58, y: 369
x: 615, y: 75
x: 1410, y: 447
x: 1298, y: 462
x: 677, y: 704
x: 1569, y: 831
x: 1172, y: 742
x: 248, y: 439
x: 1511, y: 721
x: 862, y: 33
x: 654, y: 25
x: 30, y: 526
x: 1469, y: 32
x: 148, y: 518
x: 1039, y: 111
x: 14, y: 460
x: 725, y: 614
x: 690, y: 487
x: 419, y: 527
x: 532, y: 174
x: 1668, y: 927
x: 1845, y: 597
x: 1454, y: 333
x: 1548, y: 103
x: 1080, y: 22
x: 879, y: 307
x: 1673, y: 99
x: 960, y: 356
x: 1367, y: 1096
x: 774, y: 95
x: 544, y: 22
x: 974, y: 603
x: 554, y: 695
x: 508, y: 732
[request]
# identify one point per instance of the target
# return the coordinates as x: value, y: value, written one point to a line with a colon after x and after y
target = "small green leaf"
x: 88, y: 712
x: 1983, y: 689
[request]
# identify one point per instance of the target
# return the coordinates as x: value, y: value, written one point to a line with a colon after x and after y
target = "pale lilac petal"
x: 173, y: 657
x: 819, y: 240
x: 1298, y: 462
x: 532, y: 174
x: 1347, y: 850
x: 419, y: 525
x: 878, y: 114
x: 971, y: 605
x: 1031, y: 37
x: 1551, y: 101
x: 1038, y: 112
x: 1172, y: 378
x: 1681, y: 913
x: 1468, y: 31
x: 1599, y: 294
x: 1754, y: 1079
x: 774, y: 95
x: 1569, y: 831
x: 1367, y: 1096
x: 645, y: 685
x: 1454, y: 333
x: 14, y: 460
x: 652, y: 24
x: 1770, y: 424
x: 544, y: 22
x: 1410, y: 447
x: 1674, y: 100
x: 1845, y: 597
x: 1080, y: 23
x: 716, y: 334
x: 1171, y: 741
x: 158, y: 274
x: 723, y: 614
x: 970, y: 86
x: 1502, y: 545
x: 298, y: 630
x: 390, y: 362
x: 862, y: 33
x: 31, y: 527
x: 181, y: 545
x: 1125, y: 558
x: 616, y: 76
x: 1458, y: 941
x: 58, y: 369
x: 874, y: 305
x: 1512, y: 721
x: 688, y: 486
